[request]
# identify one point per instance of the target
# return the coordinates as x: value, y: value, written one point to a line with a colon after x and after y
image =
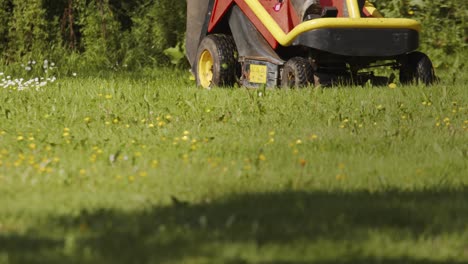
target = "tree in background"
x: 28, y: 33
x: 101, y: 35
x: 5, y: 15
x: 157, y: 25
x: 131, y: 34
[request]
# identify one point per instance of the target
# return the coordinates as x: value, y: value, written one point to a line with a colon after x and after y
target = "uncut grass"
x: 154, y: 170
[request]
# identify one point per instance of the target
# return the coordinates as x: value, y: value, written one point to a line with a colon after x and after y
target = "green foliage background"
x: 130, y: 35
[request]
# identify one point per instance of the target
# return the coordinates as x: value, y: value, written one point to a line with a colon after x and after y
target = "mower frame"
x: 271, y: 43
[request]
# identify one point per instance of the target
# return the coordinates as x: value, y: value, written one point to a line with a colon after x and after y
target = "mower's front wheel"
x: 216, y: 63
x: 416, y: 67
x: 297, y: 73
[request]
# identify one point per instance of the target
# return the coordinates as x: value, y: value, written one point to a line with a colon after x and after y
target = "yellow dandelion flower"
x: 108, y: 96
x: 302, y: 162
x: 82, y: 172
x: 66, y: 134
x: 168, y: 117
x: 262, y: 157
x: 20, y: 138
x: 2, y: 132
x: 340, y: 177
x: 392, y: 86
x: 313, y: 137
x: 115, y: 121
x: 271, y: 133
x: 151, y: 125
x: 298, y: 142
x: 87, y: 119
x: 161, y: 123
x: 185, y: 138
x: 32, y: 146
x: 131, y: 178
x: 107, y: 123
x: 154, y: 163
x: 143, y: 174
x: 66, y: 129
x: 186, y: 133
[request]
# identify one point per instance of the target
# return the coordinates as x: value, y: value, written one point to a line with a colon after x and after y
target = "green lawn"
x: 154, y: 170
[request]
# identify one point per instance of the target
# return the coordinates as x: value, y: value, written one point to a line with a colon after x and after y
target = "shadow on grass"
x: 206, y: 233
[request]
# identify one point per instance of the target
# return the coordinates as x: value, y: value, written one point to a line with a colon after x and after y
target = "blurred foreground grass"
x: 155, y: 170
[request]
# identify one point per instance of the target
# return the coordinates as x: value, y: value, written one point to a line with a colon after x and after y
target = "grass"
x: 154, y: 170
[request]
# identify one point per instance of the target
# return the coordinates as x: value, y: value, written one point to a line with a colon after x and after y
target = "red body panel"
x: 219, y: 10
x: 282, y: 12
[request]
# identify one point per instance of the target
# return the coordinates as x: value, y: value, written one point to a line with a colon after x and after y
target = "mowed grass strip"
x: 155, y: 170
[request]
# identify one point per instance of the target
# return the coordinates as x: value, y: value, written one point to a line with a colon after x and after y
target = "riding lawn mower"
x: 298, y: 43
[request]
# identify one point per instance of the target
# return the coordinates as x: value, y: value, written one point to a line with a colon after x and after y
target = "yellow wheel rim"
x: 205, y: 69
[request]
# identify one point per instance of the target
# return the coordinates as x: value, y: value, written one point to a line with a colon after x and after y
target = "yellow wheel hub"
x: 205, y: 69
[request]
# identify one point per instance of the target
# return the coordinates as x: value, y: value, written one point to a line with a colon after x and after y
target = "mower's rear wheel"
x: 217, y: 63
x: 297, y: 73
x: 416, y: 67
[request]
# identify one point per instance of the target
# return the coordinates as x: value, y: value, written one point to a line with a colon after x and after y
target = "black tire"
x: 225, y: 65
x: 297, y: 73
x: 416, y: 67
